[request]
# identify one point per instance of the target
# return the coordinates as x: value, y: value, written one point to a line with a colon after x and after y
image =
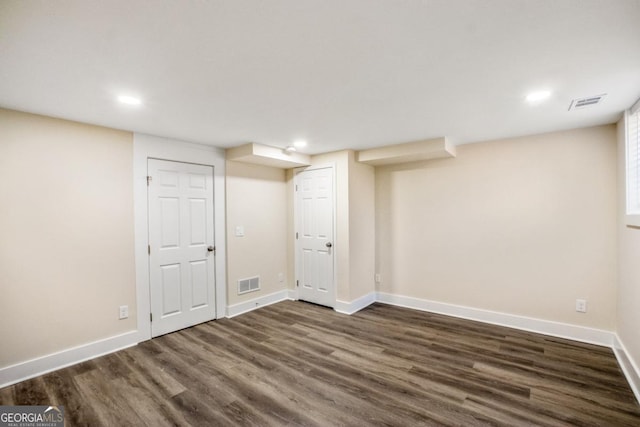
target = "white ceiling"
x: 339, y: 73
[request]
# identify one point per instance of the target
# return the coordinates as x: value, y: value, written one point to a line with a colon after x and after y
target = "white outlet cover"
x: 239, y: 231
x: 124, y: 311
x: 581, y: 305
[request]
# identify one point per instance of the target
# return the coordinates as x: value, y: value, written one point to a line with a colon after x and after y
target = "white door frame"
x: 296, y: 218
x: 185, y: 314
x: 148, y: 146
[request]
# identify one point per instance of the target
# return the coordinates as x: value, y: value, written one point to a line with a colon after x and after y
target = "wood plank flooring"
x: 295, y: 363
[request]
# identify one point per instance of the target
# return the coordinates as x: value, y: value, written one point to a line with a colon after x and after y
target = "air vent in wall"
x: 248, y: 285
x: 580, y: 103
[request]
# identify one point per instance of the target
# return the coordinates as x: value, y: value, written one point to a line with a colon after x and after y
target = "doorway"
x: 315, y: 230
x: 181, y: 245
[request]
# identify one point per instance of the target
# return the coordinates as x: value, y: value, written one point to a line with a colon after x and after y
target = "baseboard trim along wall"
x: 546, y: 327
x: 355, y: 305
x: 45, y: 364
x: 52, y: 362
x: 254, y: 303
x: 627, y: 365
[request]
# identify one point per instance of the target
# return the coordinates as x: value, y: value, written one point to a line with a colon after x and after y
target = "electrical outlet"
x: 124, y: 312
x: 378, y: 278
x: 281, y: 277
x: 581, y: 305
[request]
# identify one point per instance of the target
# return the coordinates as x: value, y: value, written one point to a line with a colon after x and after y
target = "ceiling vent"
x: 580, y: 103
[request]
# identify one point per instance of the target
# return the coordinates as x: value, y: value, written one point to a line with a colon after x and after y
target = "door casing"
x: 297, y: 218
x: 144, y: 148
x: 183, y: 254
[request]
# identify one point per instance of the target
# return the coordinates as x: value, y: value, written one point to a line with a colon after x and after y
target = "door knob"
x: 211, y: 248
x: 328, y: 244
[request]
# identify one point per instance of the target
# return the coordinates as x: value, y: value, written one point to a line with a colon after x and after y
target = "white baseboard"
x: 546, y: 327
x: 252, y: 304
x: 628, y: 366
x: 355, y: 305
x: 41, y: 365
x: 52, y: 362
x: 32, y: 368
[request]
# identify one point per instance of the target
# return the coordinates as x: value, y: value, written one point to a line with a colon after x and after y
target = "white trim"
x: 628, y: 366
x: 39, y: 366
x: 355, y: 305
x: 148, y: 146
x: 546, y: 327
x: 631, y: 219
x: 52, y: 362
x: 255, y: 303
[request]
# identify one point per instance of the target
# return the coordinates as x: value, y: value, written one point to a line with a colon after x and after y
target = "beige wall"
x: 66, y: 221
x: 361, y: 229
x: 291, y: 230
x: 521, y: 226
x: 256, y: 200
x: 628, y: 266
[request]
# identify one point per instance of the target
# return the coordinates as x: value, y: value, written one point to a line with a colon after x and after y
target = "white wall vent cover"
x: 580, y: 103
x: 248, y: 285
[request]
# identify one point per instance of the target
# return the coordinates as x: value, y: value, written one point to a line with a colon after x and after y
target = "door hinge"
x: 151, y: 317
x: 297, y: 283
x: 296, y: 187
x: 296, y: 235
x: 149, y: 178
x: 149, y: 249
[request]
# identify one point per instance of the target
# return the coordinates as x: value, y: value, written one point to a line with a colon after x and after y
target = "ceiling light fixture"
x: 300, y: 143
x: 129, y: 100
x: 289, y: 149
x: 538, y: 96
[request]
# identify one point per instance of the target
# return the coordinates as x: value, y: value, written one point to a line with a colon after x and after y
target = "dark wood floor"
x: 294, y: 363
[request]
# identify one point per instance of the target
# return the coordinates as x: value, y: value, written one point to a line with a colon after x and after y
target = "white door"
x: 315, y: 250
x: 181, y: 245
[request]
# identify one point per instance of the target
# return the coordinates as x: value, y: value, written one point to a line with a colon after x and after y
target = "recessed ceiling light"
x: 300, y: 143
x: 538, y: 96
x: 129, y: 100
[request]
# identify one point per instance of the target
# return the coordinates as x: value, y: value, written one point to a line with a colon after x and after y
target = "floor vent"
x: 248, y: 285
x: 578, y: 104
